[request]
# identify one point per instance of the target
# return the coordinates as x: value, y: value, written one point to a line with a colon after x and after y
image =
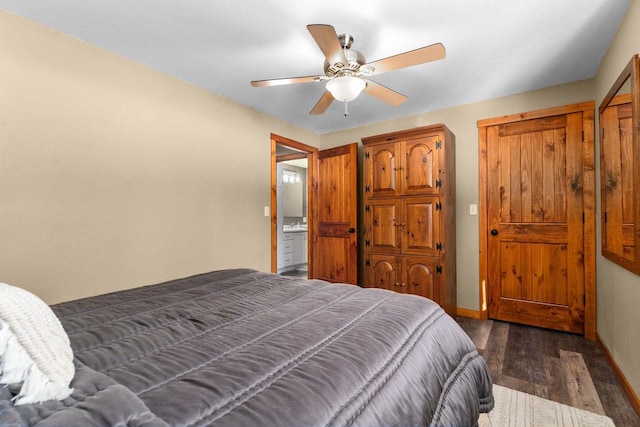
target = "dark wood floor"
x: 558, y: 366
x: 301, y: 273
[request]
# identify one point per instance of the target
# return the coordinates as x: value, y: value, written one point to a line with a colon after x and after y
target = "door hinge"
x: 366, y: 155
x: 439, y: 269
x: 438, y: 206
x: 438, y: 246
x: 438, y: 183
x: 438, y: 145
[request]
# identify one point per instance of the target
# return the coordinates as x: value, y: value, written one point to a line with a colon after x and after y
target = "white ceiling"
x: 494, y: 47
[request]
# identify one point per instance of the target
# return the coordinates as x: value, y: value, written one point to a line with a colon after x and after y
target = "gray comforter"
x: 245, y: 348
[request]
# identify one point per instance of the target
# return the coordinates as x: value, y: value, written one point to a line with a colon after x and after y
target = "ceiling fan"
x: 346, y: 70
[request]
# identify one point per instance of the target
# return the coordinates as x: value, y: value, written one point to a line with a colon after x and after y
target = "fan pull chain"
x: 346, y: 109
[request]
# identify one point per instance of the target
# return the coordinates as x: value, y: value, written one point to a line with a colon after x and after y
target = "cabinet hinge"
x: 366, y: 155
x: 584, y: 299
x: 438, y: 246
x: 368, y: 263
x: 439, y: 269
x: 583, y: 217
x: 367, y: 208
x: 438, y: 206
x: 605, y: 217
x: 367, y: 188
x: 367, y: 243
x: 438, y: 145
x: 583, y: 136
x: 438, y: 183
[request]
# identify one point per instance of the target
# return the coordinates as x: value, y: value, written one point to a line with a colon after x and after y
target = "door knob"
x: 494, y: 232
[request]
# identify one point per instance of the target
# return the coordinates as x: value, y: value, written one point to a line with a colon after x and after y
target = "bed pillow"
x: 35, y: 354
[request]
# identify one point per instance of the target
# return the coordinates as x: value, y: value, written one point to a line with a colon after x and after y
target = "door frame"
x: 589, y: 242
x: 311, y: 155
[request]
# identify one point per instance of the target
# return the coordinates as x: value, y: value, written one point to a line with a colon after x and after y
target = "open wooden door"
x: 334, y: 216
x: 538, y: 217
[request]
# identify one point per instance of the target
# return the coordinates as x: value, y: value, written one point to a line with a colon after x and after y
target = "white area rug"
x: 516, y: 409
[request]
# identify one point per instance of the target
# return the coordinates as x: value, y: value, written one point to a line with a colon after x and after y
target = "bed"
x: 246, y: 348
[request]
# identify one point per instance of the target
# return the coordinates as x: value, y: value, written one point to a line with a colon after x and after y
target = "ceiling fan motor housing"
x: 334, y: 67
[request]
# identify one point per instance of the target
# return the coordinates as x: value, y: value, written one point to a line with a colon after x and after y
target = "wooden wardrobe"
x: 409, y: 213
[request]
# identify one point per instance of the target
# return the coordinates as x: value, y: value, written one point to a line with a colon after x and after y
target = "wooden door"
x: 382, y: 173
x: 334, y: 254
x: 420, y: 225
x: 421, y: 277
x: 384, y: 223
x: 420, y: 168
x: 535, y: 222
x: 384, y: 272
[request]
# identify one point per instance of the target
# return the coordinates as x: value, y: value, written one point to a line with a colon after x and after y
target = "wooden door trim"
x: 589, y: 242
x: 589, y: 195
x: 538, y: 114
x: 483, y: 220
x: 311, y: 154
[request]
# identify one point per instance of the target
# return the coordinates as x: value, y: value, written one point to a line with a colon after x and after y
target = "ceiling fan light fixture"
x: 346, y: 88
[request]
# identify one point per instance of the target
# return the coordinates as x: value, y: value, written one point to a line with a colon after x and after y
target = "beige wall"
x: 618, y: 289
x: 113, y: 175
x: 463, y: 123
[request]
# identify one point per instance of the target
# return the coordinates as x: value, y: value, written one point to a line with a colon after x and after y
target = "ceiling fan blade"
x: 408, y: 59
x: 385, y: 94
x: 286, y: 81
x: 328, y: 42
x: 322, y: 104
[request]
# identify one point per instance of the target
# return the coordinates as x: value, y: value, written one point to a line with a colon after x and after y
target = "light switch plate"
x: 266, y: 211
x: 473, y: 209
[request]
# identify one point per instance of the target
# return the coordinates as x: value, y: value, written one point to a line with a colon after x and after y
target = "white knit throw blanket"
x: 34, y: 348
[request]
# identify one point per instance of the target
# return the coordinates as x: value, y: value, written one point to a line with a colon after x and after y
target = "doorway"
x: 291, y: 195
x: 292, y: 202
x: 331, y: 209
